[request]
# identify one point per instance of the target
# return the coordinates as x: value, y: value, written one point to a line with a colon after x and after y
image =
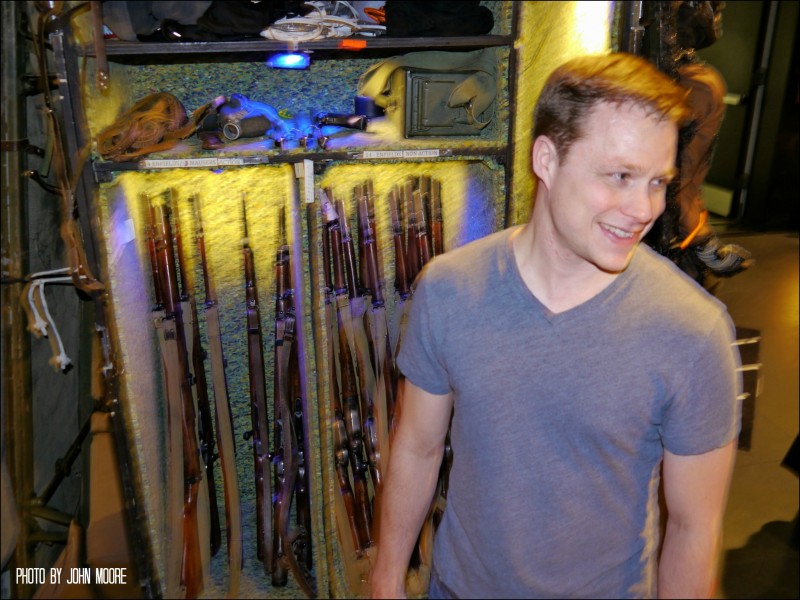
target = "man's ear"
x: 544, y: 158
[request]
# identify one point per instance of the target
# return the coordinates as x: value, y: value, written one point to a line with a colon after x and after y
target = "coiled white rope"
x: 36, y: 301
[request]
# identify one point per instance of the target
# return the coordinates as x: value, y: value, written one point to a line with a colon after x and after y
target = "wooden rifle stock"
x: 258, y: 408
x: 382, y: 348
x: 298, y: 541
x: 348, y: 399
x: 294, y: 541
x: 359, y: 522
x: 281, y: 498
x: 347, y: 253
x: 359, y: 193
x: 167, y: 340
x: 412, y: 246
x: 353, y: 424
x: 198, y: 378
x: 289, y: 544
x: 150, y: 232
x: 192, y: 576
x: 301, y: 490
x: 401, y: 279
x: 369, y: 268
x: 423, y: 218
x: 302, y: 543
x: 222, y: 414
x: 358, y: 343
x: 437, y: 223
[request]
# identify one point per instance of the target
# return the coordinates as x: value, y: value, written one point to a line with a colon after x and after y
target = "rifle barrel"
x: 258, y: 408
x: 198, y: 377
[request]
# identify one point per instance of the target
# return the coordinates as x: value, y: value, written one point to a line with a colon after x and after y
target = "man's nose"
x: 644, y: 204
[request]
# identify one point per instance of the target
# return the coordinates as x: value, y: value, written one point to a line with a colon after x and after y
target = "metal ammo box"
x: 423, y: 97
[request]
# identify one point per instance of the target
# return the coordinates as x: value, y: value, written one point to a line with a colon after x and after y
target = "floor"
x: 760, y: 560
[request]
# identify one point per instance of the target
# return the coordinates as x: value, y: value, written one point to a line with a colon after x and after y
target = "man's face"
x: 607, y: 193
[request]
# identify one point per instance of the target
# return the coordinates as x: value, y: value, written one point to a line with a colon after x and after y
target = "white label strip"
x: 190, y: 162
x: 400, y: 153
x: 308, y: 180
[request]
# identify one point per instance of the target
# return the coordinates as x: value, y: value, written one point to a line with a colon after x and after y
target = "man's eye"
x: 621, y: 176
x: 661, y: 182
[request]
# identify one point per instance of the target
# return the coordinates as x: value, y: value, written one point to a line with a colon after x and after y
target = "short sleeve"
x: 704, y: 411
x: 420, y: 355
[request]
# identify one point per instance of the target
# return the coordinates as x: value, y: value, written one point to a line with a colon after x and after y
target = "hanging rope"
x: 34, y: 302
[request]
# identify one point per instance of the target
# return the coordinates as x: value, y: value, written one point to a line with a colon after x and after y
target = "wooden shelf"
x: 181, y: 52
x: 231, y: 158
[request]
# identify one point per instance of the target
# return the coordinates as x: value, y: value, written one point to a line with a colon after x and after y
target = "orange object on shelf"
x: 350, y: 44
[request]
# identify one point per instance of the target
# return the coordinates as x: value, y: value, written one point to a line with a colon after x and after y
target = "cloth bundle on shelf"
x: 153, y: 124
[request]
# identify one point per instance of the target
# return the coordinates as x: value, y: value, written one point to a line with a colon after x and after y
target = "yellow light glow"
x: 592, y: 26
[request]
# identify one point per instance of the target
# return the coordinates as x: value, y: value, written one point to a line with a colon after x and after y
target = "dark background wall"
x: 757, y: 55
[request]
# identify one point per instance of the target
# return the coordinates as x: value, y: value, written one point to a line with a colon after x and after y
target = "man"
x: 579, y: 364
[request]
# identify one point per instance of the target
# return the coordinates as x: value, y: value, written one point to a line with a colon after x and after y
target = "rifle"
x: 197, y: 373
x: 258, y: 407
x: 192, y: 571
x: 412, y: 246
x: 357, y: 338
x: 222, y: 413
x: 421, y: 201
x: 150, y: 232
x: 347, y: 402
x: 437, y: 223
x: 302, y: 544
x: 287, y: 543
x: 379, y: 329
x: 401, y: 279
x: 168, y: 349
x: 341, y: 442
x: 301, y: 490
x: 281, y: 499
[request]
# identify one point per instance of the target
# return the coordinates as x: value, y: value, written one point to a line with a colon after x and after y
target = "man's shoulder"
x: 669, y: 289
x: 468, y: 273
x: 474, y: 257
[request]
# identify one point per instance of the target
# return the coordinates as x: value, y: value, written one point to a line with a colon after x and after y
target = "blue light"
x: 289, y: 60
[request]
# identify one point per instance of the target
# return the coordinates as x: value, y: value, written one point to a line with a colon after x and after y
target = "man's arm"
x: 416, y: 454
x: 696, y: 490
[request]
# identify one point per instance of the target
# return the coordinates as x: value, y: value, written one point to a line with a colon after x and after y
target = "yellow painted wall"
x: 549, y: 34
